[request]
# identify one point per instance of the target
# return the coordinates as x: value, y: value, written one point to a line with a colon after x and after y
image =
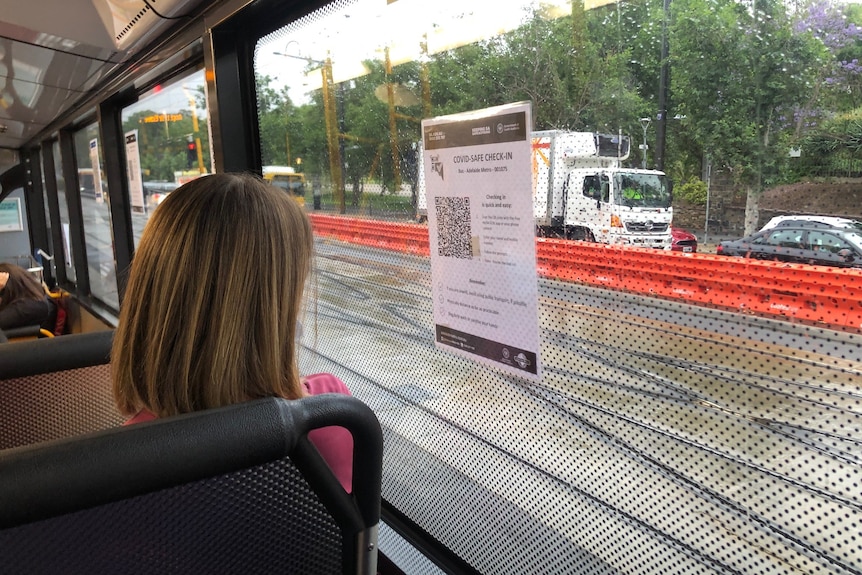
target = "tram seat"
x: 238, y: 489
x: 56, y: 387
x: 54, y: 324
x: 26, y: 333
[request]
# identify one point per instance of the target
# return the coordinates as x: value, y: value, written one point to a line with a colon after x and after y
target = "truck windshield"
x: 641, y: 190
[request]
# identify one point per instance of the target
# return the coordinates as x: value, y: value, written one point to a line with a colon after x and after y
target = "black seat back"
x: 56, y: 387
x: 234, y: 490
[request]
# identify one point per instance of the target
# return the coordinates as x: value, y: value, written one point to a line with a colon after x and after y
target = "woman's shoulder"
x: 318, y: 383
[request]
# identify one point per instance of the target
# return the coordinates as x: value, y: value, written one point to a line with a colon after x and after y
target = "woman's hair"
x: 20, y: 285
x: 210, y: 311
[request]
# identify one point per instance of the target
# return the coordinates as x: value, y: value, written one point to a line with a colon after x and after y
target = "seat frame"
x: 48, y: 480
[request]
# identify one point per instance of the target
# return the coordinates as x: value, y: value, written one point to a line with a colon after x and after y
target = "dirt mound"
x: 834, y: 199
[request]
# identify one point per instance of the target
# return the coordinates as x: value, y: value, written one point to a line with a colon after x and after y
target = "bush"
x: 693, y: 191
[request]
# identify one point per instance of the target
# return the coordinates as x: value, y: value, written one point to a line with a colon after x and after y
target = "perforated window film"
x: 698, y: 409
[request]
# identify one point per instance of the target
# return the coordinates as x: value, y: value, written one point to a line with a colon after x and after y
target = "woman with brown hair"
x: 212, y: 304
x: 23, y: 301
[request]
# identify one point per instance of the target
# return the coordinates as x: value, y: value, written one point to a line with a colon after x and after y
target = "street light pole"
x: 332, y: 128
x: 393, y: 127
x: 645, y: 122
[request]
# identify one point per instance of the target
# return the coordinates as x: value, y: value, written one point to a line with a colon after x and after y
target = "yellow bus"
x: 288, y: 179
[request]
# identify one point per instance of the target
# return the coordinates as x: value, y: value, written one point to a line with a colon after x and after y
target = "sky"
x: 361, y: 30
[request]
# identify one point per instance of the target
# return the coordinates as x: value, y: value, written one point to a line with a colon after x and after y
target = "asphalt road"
x: 663, y: 438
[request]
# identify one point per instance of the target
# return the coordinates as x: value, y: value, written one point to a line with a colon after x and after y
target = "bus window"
x: 167, y: 143
x: 98, y: 237
x: 649, y: 442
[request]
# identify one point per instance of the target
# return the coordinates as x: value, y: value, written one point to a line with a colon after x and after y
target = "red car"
x: 683, y: 241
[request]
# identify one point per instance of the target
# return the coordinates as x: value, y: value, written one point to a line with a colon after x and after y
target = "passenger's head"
x: 213, y: 298
x: 17, y: 283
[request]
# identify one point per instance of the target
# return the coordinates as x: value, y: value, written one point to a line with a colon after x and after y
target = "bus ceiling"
x: 53, y: 52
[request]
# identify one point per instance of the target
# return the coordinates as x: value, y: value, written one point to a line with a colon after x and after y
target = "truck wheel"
x: 556, y: 233
x: 581, y: 234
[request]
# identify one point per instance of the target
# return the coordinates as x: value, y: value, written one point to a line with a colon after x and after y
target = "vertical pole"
x: 708, y: 185
x: 645, y: 148
x: 661, y: 126
x: 342, y: 129
x: 287, y: 143
x: 425, y: 79
x: 196, y: 131
x: 645, y: 122
x: 332, y: 135
x: 393, y: 126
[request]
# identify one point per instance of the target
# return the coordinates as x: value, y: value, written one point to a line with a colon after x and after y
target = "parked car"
x: 683, y: 241
x: 812, y: 222
x: 802, y: 244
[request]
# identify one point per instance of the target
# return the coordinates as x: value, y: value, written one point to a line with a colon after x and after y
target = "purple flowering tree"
x: 838, y: 83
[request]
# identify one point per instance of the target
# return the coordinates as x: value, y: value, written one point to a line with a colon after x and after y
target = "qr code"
x: 453, y: 227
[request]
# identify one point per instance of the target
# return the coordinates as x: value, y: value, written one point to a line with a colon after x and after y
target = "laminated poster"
x: 133, y: 169
x: 97, y: 171
x: 482, y: 236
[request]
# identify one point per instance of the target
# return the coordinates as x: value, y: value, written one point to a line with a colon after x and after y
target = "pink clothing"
x: 335, y: 444
x: 142, y: 416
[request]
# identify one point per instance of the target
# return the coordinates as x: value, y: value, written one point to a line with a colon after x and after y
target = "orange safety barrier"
x: 831, y: 296
x: 819, y: 294
x: 402, y: 237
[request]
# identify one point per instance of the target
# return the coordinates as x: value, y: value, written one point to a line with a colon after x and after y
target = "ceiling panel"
x: 37, y: 84
x: 54, y: 52
x: 75, y: 21
x: 43, y: 73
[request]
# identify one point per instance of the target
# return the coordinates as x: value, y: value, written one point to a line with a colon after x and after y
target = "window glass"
x: 167, y: 143
x: 695, y: 412
x: 592, y: 187
x: 606, y: 188
x: 95, y: 208
x: 641, y: 190
x: 64, y: 216
x: 788, y: 238
x: 820, y: 240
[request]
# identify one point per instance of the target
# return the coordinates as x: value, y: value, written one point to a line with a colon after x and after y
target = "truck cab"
x: 582, y: 193
x: 619, y: 206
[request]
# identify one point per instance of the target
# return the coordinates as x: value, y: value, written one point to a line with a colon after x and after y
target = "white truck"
x: 580, y: 191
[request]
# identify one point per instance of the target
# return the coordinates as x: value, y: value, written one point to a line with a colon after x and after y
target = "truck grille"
x: 646, y: 226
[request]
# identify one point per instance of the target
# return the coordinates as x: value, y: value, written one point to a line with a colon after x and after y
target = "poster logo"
x: 437, y: 165
x: 522, y: 360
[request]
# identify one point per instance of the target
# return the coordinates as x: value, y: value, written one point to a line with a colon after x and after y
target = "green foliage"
x: 736, y: 75
x: 834, y: 149
x: 163, y: 145
x: 693, y: 191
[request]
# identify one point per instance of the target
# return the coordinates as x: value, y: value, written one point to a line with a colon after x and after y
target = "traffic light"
x: 191, y: 154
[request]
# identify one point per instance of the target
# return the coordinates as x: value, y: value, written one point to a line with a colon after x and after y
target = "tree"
x: 275, y: 111
x: 738, y: 71
x: 836, y: 81
x: 162, y: 143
